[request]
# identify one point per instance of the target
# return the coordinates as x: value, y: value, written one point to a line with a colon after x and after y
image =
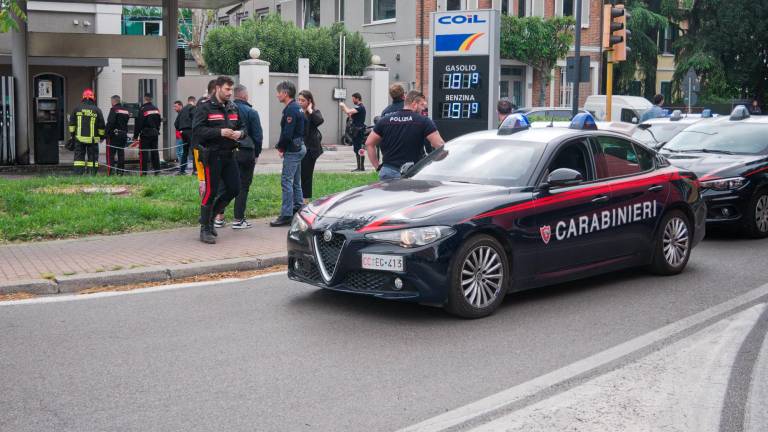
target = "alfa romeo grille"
x: 328, y: 253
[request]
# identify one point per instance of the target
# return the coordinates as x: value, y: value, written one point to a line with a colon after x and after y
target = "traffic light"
x: 615, y: 33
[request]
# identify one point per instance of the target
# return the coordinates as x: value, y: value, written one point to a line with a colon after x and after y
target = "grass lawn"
x: 41, y: 208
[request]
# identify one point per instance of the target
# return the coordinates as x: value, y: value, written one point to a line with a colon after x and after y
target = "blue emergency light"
x: 514, y: 123
x: 707, y: 113
x: 583, y: 121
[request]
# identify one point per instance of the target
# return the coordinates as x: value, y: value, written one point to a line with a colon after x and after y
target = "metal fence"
x: 7, y: 122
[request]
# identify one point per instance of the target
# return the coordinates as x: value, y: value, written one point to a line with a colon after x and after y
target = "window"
x: 573, y: 156
x: 340, y: 10
x: 505, y: 7
x: 521, y: 7
x: 224, y: 20
x: 616, y: 158
x: 453, y: 5
x: 568, y: 8
x: 311, y: 13
x: 666, y: 90
x: 261, y: 13
x: 240, y: 17
x: 152, y: 28
x: 566, y: 89
x: 667, y: 36
x: 645, y: 158
x: 383, y: 10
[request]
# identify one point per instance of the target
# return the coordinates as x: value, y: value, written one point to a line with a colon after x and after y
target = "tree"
x: 199, y: 20
x: 9, y: 13
x: 281, y: 43
x: 538, y: 42
x: 726, y: 44
x: 645, y: 21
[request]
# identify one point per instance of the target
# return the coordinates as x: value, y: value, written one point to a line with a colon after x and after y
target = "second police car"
x: 730, y: 156
x: 492, y: 213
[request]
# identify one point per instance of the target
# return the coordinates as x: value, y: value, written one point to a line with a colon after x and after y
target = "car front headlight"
x: 413, y: 237
x: 724, y: 184
x: 298, y: 225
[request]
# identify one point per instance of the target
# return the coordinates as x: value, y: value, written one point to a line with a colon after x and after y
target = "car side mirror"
x: 405, y: 168
x: 564, y: 177
x: 634, y: 120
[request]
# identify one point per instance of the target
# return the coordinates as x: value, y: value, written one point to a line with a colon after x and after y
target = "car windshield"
x: 662, y: 132
x: 498, y: 161
x: 722, y: 137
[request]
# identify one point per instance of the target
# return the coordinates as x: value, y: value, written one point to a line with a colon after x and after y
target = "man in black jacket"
x: 117, y: 135
x: 217, y: 128
x: 146, y: 130
x: 183, y: 124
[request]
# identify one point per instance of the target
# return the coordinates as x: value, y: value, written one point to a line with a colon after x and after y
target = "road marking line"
x: 530, y: 388
x: 76, y: 297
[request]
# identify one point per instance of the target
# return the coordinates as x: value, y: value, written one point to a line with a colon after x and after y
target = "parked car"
x: 628, y: 109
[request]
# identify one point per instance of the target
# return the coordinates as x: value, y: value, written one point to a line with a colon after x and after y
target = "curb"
x: 75, y: 283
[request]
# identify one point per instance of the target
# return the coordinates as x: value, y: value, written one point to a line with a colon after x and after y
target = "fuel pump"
x: 46, y: 130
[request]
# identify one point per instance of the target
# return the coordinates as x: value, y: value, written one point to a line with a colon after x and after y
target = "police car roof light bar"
x: 739, y: 113
x: 676, y: 115
x: 583, y: 121
x: 514, y: 123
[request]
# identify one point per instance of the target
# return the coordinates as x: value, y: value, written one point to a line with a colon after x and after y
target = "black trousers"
x: 116, y: 153
x: 92, y: 152
x: 148, y: 153
x: 307, y: 171
x: 222, y: 183
x: 246, y: 161
x: 186, y: 139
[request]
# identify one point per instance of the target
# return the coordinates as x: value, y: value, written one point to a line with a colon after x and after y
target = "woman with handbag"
x: 313, y: 140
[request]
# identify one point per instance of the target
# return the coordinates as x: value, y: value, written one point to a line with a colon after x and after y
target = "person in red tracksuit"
x: 146, y: 131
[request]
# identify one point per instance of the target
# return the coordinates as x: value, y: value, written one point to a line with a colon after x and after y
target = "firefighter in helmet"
x: 86, y: 130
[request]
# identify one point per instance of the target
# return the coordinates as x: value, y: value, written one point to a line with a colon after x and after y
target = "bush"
x: 281, y: 44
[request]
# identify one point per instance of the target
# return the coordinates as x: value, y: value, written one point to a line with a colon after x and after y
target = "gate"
x: 7, y: 122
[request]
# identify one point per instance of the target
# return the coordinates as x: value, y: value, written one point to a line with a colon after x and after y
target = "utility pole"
x: 577, y: 64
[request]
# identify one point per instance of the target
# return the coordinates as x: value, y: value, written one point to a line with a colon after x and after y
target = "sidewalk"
x: 70, y: 265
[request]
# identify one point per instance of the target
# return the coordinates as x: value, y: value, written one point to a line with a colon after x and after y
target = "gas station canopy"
x: 192, y: 4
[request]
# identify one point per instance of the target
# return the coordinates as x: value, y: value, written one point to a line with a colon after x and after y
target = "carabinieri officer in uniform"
x: 217, y: 128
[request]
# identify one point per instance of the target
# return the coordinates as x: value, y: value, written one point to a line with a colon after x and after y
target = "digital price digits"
x: 461, y: 80
x: 460, y: 110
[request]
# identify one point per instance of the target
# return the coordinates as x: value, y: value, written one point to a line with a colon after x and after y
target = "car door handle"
x: 600, y: 199
x: 656, y: 188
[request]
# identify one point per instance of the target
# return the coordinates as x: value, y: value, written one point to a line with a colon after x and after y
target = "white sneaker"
x: 241, y: 224
x: 219, y: 223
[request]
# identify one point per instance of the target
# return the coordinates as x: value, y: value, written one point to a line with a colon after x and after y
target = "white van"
x: 623, y: 108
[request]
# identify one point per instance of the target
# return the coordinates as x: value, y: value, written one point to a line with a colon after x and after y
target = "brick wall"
x: 422, y: 56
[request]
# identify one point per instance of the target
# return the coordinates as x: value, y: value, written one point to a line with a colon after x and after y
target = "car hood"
x: 397, y: 203
x: 708, y: 166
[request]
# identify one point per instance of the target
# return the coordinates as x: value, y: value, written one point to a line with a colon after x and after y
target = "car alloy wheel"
x: 761, y: 213
x: 482, y: 276
x: 676, y: 241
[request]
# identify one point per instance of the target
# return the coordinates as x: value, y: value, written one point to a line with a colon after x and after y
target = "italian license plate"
x: 383, y: 262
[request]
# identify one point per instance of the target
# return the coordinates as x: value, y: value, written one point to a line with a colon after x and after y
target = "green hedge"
x: 282, y: 44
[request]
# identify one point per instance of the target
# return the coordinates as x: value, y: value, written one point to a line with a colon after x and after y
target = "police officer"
x: 146, y: 130
x: 86, y: 129
x: 117, y: 135
x: 400, y: 135
x: 292, y: 150
x: 217, y: 128
x: 184, y: 125
x: 197, y: 165
x: 356, y: 127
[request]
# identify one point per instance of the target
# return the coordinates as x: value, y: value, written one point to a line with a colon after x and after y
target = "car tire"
x: 479, y: 278
x: 756, y: 220
x: 672, y: 245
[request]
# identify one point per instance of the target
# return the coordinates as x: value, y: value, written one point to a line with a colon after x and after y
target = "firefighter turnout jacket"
x: 86, y: 124
x: 148, y: 122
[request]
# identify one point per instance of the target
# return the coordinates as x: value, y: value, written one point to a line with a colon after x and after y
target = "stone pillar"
x: 303, y: 83
x: 254, y: 74
x: 20, y: 69
x: 379, y: 89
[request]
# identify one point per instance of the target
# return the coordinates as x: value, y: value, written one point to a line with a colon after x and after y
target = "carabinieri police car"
x: 496, y: 212
x: 730, y: 156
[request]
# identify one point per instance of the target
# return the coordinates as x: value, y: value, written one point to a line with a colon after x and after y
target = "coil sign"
x: 464, y: 65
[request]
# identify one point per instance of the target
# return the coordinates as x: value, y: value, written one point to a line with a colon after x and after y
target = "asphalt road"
x: 273, y: 355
